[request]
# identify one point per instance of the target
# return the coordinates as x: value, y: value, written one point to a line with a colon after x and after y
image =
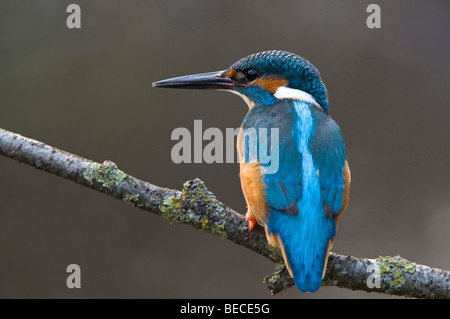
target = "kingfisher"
x: 300, y: 203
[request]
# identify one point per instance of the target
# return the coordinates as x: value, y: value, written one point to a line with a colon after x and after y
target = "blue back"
x: 297, y: 195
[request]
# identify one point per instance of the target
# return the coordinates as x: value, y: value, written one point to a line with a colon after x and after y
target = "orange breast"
x: 347, y: 180
x: 252, y: 183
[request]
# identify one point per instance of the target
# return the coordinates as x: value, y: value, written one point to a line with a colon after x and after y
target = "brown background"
x: 89, y: 92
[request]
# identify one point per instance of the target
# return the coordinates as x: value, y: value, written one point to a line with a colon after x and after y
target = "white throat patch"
x: 283, y: 93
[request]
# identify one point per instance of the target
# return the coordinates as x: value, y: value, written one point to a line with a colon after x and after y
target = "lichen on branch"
x: 185, y: 209
x: 106, y: 173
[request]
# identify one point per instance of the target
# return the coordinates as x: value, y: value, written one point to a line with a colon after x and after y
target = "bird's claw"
x: 251, y: 223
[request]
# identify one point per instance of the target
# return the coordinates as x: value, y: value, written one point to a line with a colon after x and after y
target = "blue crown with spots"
x: 299, y: 73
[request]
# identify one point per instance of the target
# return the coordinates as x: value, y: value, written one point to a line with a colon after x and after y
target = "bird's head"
x: 262, y: 78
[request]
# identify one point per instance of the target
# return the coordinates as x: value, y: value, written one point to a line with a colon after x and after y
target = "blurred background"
x: 88, y: 91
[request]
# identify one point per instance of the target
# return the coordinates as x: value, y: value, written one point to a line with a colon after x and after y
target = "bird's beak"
x: 205, y: 81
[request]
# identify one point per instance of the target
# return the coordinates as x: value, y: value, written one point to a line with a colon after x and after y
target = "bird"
x: 300, y: 204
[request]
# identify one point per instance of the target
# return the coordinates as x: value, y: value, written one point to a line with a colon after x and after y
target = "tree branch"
x: 195, y: 205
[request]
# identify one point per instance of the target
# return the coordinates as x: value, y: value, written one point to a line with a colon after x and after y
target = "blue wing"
x: 328, y: 150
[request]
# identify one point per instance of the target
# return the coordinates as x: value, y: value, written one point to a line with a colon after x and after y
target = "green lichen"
x: 106, y: 173
x: 197, y: 196
x: 172, y: 209
x: 132, y: 199
x: 395, y: 268
x: 274, y: 253
x: 276, y: 275
x: 214, y: 228
x: 196, y: 191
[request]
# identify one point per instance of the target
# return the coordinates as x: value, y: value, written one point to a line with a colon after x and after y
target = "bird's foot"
x: 251, y: 222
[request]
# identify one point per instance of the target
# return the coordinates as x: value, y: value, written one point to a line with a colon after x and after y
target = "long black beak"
x: 204, y: 81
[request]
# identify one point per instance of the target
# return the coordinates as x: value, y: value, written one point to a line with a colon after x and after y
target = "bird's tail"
x: 304, y: 241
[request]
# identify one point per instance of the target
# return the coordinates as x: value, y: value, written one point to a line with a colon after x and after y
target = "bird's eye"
x: 251, y: 74
x: 245, y: 76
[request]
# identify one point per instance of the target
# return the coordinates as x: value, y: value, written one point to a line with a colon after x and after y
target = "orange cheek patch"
x: 270, y: 83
